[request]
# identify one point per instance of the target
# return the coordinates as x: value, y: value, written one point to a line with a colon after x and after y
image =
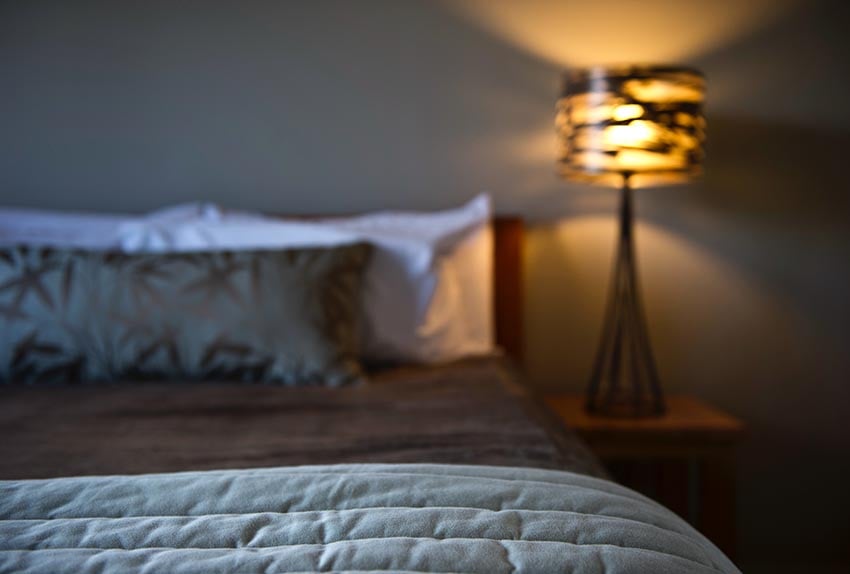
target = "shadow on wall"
x: 774, y: 207
x: 786, y: 182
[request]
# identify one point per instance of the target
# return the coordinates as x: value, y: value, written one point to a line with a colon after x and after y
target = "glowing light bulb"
x: 627, y: 112
x: 637, y: 134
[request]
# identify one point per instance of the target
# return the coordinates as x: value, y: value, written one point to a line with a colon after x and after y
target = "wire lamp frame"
x: 629, y: 126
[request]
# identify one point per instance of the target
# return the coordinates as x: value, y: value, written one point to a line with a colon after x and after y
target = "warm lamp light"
x: 629, y: 125
x: 642, y: 122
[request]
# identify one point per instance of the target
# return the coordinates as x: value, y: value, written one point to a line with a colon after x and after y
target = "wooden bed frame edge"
x: 508, y: 242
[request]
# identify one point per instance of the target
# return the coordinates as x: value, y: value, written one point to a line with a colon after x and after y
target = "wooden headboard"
x: 508, y: 232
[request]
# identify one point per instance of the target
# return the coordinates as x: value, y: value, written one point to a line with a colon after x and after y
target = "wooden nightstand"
x: 684, y: 459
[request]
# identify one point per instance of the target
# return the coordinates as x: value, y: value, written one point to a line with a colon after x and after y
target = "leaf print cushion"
x: 287, y: 317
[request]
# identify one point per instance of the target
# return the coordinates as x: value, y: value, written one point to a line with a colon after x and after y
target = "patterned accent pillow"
x: 287, y: 317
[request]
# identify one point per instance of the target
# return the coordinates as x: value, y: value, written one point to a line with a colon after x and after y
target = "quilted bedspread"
x: 368, y: 517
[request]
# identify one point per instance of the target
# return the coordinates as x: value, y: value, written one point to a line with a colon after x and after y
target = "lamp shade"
x: 636, y: 121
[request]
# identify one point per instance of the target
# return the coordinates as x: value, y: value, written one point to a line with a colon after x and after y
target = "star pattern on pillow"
x: 79, y: 316
x: 32, y: 266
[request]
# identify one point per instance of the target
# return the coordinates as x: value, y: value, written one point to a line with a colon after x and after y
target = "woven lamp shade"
x: 642, y: 122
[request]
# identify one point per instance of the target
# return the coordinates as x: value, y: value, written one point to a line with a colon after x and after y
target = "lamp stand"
x: 624, y: 381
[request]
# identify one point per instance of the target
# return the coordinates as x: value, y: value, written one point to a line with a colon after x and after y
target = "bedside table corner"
x: 685, y: 458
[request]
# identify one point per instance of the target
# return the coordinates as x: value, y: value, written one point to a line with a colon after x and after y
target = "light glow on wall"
x: 616, y: 31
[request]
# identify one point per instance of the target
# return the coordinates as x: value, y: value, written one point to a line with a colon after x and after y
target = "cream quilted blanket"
x: 411, y: 518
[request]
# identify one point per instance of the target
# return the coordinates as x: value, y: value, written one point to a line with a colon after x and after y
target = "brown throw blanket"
x: 473, y: 412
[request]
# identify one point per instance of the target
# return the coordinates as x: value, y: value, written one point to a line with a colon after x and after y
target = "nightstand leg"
x: 717, y: 501
x: 673, y: 482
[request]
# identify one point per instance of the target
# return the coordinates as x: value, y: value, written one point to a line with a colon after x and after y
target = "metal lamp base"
x: 624, y: 381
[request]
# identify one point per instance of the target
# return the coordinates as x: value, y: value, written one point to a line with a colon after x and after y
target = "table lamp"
x: 629, y: 126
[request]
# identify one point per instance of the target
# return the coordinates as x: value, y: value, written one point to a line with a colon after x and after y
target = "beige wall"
x: 340, y: 106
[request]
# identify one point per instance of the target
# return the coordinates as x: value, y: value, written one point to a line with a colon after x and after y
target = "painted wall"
x: 340, y: 106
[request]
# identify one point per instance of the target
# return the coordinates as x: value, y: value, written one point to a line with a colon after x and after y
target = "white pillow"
x: 51, y: 228
x: 428, y: 289
x: 454, y: 301
x: 88, y: 230
x: 184, y: 212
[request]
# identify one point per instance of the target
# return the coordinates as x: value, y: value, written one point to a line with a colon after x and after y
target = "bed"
x: 452, y: 467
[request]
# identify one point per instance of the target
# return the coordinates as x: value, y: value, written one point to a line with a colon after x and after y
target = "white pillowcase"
x: 449, y: 313
x: 94, y: 231
x: 428, y: 289
x: 49, y: 228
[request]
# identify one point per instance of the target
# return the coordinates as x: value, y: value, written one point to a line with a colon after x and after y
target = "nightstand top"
x: 685, y: 416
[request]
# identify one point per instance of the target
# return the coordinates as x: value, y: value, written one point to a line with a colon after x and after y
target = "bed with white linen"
x: 396, y: 438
